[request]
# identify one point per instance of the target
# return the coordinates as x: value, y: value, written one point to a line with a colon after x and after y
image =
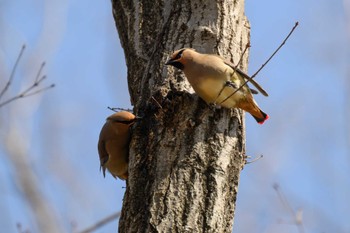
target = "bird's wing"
x: 245, y: 76
x: 253, y: 91
x: 103, y: 156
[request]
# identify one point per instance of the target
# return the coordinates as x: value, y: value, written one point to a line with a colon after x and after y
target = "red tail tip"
x: 262, y: 122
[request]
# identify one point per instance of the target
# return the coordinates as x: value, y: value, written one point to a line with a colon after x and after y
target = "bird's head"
x: 180, y: 57
x: 122, y: 117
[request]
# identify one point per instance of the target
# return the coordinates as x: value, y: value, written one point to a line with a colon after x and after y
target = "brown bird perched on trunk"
x: 113, y: 144
x: 214, y: 80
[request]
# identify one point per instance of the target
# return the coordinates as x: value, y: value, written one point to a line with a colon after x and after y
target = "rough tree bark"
x: 185, y: 159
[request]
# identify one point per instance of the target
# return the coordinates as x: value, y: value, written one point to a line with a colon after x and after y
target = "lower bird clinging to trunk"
x: 113, y: 144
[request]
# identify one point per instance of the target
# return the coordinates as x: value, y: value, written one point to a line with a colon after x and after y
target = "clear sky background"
x: 305, y: 143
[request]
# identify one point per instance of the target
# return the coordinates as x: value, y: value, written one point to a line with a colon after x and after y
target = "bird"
x: 113, y: 144
x: 215, y: 80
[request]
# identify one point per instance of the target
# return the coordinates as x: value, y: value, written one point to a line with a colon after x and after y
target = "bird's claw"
x: 231, y: 84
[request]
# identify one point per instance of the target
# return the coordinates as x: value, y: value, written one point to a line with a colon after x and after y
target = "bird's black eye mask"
x: 178, y: 55
x: 129, y: 122
x: 174, y: 61
x: 178, y: 65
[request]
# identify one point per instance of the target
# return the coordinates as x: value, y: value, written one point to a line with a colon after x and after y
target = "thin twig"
x: 234, y: 71
x: 158, y: 104
x: 253, y: 160
x: 34, y: 85
x: 281, y: 45
x: 119, y: 109
x: 12, y: 72
x: 263, y: 65
x: 101, y: 223
x: 28, y: 91
x: 298, y: 221
x: 23, y: 95
x: 40, y: 90
x: 39, y: 72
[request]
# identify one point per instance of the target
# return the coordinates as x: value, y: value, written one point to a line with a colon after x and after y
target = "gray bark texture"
x: 185, y: 159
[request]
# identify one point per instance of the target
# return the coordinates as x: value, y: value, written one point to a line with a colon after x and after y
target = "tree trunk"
x: 185, y: 159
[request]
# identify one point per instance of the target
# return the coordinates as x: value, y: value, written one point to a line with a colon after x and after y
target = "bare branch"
x: 297, y: 216
x: 274, y: 53
x: 158, y: 104
x: 39, y: 73
x: 101, y: 223
x: 263, y: 65
x: 30, y: 90
x: 25, y: 94
x: 254, y: 159
x: 119, y: 109
x: 12, y: 72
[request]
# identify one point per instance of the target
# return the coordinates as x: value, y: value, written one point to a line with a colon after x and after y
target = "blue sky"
x: 305, y: 142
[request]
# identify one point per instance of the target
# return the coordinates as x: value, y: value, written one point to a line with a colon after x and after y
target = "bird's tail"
x: 253, y: 108
x: 261, y: 117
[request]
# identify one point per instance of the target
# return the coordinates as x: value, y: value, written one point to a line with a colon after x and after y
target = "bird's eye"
x: 178, y: 56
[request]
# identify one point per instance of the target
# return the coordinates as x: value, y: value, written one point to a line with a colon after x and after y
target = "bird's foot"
x: 231, y: 84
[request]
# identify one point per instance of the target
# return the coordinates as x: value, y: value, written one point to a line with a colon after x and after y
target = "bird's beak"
x: 169, y: 62
x: 175, y: 63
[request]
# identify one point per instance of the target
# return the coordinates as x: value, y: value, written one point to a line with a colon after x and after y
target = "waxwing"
x: 113, y: 144
x: 214, y: 80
